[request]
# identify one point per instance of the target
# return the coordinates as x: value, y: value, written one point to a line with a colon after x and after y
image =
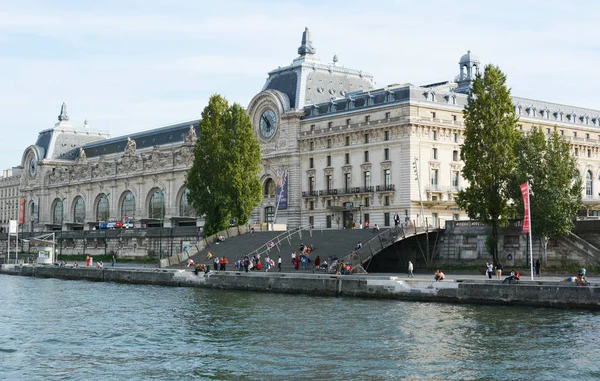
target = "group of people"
x: 580, y: 279
x: 491, y: 269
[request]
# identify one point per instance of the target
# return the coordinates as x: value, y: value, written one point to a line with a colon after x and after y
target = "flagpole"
x: 530, y: 237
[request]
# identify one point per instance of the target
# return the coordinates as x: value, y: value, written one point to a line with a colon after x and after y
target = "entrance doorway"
x: 269, y: 214
x: 328, y: 221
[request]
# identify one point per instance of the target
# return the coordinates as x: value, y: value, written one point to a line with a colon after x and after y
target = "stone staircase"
x: 581, y: 246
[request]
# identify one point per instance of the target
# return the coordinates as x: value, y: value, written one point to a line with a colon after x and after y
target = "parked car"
x: 118, y: 224
x: 110, y: 224
x: 127, y: 224
x: 103, y: 225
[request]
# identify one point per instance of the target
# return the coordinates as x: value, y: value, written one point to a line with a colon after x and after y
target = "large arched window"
x: 185, y: 209
x: 102, y: 208
x: 269, y: 188
x: 57, y: 212
x: 128, y: 205
x: 156, y: 206
x: 79, y: 210
x: 589, y: 191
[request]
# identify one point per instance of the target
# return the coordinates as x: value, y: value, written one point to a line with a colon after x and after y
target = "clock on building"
x: 32, y: 164
x: 268, y: 124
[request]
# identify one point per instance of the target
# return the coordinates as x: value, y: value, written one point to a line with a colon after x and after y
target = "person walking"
x: 410, y: 270
x: 112, y: 262
x: 538, y: 265
x: 279, y: 263
x: 490, y: 269
x: 216, y: 263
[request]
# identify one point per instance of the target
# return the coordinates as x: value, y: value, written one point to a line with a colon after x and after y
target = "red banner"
x: 21, y: 211
x: 525, y: 193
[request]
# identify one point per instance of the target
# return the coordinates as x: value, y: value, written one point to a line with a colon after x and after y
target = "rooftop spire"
x: 306, y: 47
x: 63, y: 113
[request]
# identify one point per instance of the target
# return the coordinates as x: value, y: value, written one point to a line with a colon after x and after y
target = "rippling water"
x: 75, y: 330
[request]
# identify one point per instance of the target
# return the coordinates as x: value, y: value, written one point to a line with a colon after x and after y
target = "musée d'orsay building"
x: 342, y: 151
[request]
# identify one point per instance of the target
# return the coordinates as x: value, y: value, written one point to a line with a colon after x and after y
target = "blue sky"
x: 131, y: 65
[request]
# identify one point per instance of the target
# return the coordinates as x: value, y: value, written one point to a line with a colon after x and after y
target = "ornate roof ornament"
x: 190, y: 137
x: 63, y: 113
x: 130, y: 147
x: 307, y: 46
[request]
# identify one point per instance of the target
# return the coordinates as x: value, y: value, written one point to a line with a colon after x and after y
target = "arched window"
x: 128, y: 205
x: 269, y: 188
x: 156, y: 206
x: 57, y: 212
x: 79, y: 210
x: 185, y: 209
x: 589, y: 184
x: 269, y: 214
x: 102, y: 209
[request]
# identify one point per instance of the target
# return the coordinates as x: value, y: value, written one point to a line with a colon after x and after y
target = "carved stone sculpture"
x: 131, y: 146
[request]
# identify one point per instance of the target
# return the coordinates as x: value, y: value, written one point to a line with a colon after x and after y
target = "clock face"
x: 268, y: 124
x: 32, y: 166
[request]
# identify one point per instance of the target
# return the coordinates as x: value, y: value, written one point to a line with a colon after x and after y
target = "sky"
x: 132, y: 65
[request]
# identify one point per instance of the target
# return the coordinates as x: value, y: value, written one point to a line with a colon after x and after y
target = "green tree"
x: 488, y: 151
x: 223, y: 180
x: 554, y: 183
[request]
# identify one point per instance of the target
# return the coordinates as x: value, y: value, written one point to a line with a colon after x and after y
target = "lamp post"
x: 162, y: 203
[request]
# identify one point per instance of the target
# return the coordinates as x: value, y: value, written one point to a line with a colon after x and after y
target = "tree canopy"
x: 488, y: 151
x: 224, y: 178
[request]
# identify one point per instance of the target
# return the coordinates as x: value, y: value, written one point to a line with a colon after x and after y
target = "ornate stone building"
x: 337, y: 151
x: 9, y: 197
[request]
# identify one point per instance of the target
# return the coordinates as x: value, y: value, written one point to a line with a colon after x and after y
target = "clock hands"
x: 267, y: 123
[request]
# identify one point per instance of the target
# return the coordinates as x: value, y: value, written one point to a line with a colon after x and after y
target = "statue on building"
x: 306, y: 47
x: 82, y: 156
x: 63, y: 113
x: 130, y: 147
x: 190, y: 137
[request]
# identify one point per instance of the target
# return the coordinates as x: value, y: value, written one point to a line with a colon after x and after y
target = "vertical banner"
x: 525, y: 193
x: 281, y: 188
x: 21, y: 211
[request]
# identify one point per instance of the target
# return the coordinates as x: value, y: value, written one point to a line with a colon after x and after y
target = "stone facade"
x: 9, y: 197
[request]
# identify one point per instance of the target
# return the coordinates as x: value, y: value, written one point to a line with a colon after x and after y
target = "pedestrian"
x: 268, y: 263
x: 498, y: 271
x: 216, y: 264
x: 279, y: 263
x: 490, y: 269
x: 246, y: 263
x: 317, y: 262
x: 538, y: 265
x: 410, y: 270
x: 87, y: 261
x: 91, y: 261
x: 112, y: 262
x: 293, y: 258
x: 224, y: 263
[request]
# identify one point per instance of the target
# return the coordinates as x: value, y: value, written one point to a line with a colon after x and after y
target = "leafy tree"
x: 223, y: 180
x: 488, y: 151
x: 554, y: 183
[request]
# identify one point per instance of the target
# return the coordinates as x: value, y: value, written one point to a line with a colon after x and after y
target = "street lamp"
x: 162, y: 216
x: 105, y: 217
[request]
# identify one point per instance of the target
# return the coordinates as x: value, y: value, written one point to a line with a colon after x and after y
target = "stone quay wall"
x: 536, y: 293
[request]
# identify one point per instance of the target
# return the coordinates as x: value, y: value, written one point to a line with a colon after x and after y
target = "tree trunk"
x: 495, y: 242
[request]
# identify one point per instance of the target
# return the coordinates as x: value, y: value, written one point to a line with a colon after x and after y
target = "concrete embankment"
x: 537, y: 293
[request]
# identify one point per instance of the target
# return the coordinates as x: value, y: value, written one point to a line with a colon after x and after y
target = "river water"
x: 54, y: 329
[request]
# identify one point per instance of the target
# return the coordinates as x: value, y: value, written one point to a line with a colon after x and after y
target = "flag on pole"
x: 525, y: 193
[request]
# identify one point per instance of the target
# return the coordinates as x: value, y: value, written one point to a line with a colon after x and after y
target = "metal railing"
x: 285, y: 236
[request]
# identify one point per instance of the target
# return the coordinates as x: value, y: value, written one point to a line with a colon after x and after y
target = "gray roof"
x: 146, y: 139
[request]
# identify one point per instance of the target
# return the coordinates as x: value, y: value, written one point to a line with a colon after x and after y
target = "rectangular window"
x: 329, y: 161
x: 347, y: 157
x: 386, y: 219
x: 386, y: 154
x: 312, y: 127
x: 347, y: 140
x: 367, y: 118
x: 312, y: 146
x: 311, y: 205
x: 433, y: 114
x: 347, y: 183
x: 562, y: 132
x: 386, y: 135
x: 387, y: 176
x: 311, y: 184
x: 367, y: 179
x: 366, y: 156
x: 366, y: 217
x: 587, y: 136
x: 589, y: 153
x: 548, y: 131
x: 434, y: 178
x: 576, y: 151
x: 434, y: 154
x: 311, y: 163
x: 455, y: 177
x: 328, y: 143
x: 328, y: 202
x: 366, y: 138
x: 434, y: 135
x: 455, y: 137
x: 311, y: 221
x: 348, y: 121
x: 455, y: 155
x: 454, y: 118
x: 329, y: 183
x: 367, y: 202
x: 330, y: 124
x: 574, y: 134
x: 386, y: 200
x: 387, y: 115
